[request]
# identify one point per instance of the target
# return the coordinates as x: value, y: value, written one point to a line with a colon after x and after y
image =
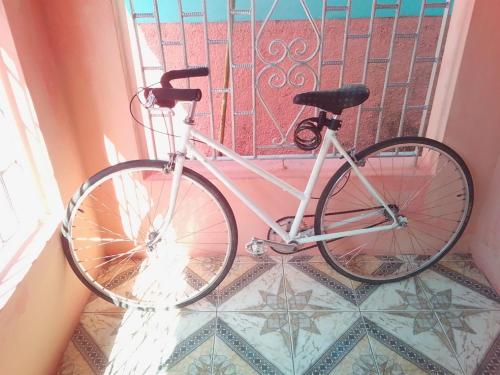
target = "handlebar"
x: 167, y: 96
x: 183, y: 73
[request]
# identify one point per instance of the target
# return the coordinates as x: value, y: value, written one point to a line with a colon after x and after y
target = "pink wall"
x: 41, y: 314
x: 279, y: 101
x: 90, y: 67
x: 466, y: 115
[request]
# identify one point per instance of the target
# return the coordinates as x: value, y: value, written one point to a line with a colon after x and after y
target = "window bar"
x: 254, y: 80
x: 7, y: 196
x: 230, y: 54
x: 320, y: 54
x: 142, y: 15
x: 210, y: 96
x: 183, y: 35
x: 411, y: 69
x: 6, y: 191
x: 160, y: 38
x: 170, y: 131
x: 365, y: 68
x: 344, y: 45
x: 148, y: 133
x: 145, y: 68
x: 387, y: 71
x: 435, y: 65
x: 169, y: 124
x: 324, y: 9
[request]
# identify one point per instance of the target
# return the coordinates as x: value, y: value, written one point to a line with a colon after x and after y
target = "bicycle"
x: 154, y: 234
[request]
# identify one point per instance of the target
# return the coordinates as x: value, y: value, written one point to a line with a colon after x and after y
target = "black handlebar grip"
x: 184, y: 73
x: 166, y: 97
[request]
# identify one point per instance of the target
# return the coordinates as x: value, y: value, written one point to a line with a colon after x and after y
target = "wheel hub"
x: 401, y: 219
x: 153, y: 239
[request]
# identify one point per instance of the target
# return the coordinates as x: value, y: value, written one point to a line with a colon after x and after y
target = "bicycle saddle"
x: 334, y: 101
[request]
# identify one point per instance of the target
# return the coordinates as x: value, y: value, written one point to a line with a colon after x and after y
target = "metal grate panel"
x: 285, y: 56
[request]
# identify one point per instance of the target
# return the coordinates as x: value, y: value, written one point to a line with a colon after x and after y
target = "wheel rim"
x: 431, y: 200
x: 113, y: 236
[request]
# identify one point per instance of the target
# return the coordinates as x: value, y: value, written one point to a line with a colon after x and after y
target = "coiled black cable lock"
x: 307, y: 134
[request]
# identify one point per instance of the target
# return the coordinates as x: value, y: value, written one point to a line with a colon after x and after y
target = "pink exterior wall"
x: 466, y: 115
x: 90, y: 66
x: 70, y: 58
x: 279, y: 101
x: 40, y: 316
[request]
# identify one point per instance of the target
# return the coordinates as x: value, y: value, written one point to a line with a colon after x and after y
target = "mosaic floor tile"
x: 229, y: 361
x: 192, y: 354
x: 324, y: 275
x: 285, y: 315
x: 270, y: 257
x: 452, y: 264
x: 416, y: 336
x: 260, y: 339
x: 400, y: 296
x: 447, y: 289
x: 453, y: 256
x: 321, y: 338
x: 474, y: 335
x: 73, y: 362
x: 199, y: 361
x: 358, y: 361
x: 471, y: 272
x: 137, y: 342
x: 99, y: 305
x: 390, y: 362
x: 253, y: 286
x: 311, y: 255
x: 490, y: 363
x: 306, y: 293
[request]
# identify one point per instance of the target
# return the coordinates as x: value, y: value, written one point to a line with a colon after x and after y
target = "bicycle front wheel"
x: 120, y: 249
x: 427, y: 186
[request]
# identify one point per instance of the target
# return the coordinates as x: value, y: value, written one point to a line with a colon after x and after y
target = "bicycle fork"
x: 179, y: 158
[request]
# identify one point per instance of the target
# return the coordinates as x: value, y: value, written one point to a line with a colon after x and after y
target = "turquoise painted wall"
x: 285, y: 9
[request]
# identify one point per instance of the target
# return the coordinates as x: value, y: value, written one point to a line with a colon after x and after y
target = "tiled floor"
x: 295, y: 315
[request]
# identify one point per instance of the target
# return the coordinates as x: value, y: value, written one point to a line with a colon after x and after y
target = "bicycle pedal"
x: 256, y: 247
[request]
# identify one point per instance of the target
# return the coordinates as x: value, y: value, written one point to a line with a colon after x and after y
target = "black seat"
x: 334, y: 101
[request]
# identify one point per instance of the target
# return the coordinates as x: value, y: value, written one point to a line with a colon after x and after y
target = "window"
x: 19, y: 202
x: 30, y: 204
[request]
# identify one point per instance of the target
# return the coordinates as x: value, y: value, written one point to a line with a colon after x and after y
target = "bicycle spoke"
x: 157, y: 272
x: 428, y: 193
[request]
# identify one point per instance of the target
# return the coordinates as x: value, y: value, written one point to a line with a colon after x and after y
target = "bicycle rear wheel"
x: 424, y: 182
x: 116, y: 249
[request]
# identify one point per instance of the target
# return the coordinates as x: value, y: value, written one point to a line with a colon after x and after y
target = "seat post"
x: 335, y: 123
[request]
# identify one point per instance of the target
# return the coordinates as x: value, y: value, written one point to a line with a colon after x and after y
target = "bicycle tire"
x: 342, y: 172
x: 144, y: 166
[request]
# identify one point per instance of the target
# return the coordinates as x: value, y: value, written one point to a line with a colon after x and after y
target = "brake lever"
x: 150, y: 98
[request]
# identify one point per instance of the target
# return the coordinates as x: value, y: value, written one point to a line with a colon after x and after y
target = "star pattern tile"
x: 453, y: 318
x: 300, y: 317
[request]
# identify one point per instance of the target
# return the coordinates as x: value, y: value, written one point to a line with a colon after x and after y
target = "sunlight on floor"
x: 295, y: 315
x: 143, y: 343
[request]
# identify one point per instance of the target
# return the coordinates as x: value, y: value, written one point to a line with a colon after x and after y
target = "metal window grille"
x: 9, y: 217
x: 260, y: 58
x: 19, y: 203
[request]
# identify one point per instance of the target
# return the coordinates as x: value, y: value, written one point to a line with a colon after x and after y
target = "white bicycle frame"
x: 187, y: 149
